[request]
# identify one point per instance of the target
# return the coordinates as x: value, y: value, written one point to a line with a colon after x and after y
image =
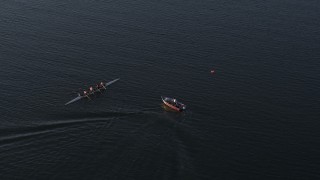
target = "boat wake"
x: 11, y: 135
x: 64, y: 122
x: 22, y: 133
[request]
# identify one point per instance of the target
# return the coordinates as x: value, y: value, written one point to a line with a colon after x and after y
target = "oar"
x: 88, y: 97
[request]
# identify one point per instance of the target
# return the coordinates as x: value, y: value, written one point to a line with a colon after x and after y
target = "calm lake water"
x: 257, y: 117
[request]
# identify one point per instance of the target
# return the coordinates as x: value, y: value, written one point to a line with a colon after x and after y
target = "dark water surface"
x: 256, y: 118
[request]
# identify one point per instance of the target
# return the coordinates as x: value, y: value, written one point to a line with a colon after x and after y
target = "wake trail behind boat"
x: 16, y: 134
x: 21, y: 133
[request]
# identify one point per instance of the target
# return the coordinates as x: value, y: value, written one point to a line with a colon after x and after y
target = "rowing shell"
x: 80, y: 97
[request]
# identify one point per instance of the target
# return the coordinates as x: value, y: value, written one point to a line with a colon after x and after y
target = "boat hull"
x: 167, y: 103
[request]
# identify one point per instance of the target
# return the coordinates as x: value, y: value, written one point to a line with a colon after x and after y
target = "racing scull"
x: 92, y: 92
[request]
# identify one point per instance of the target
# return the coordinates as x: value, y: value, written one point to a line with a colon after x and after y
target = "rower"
x: 85, y: 93
x: 102, y: 85
x: 96, y: 88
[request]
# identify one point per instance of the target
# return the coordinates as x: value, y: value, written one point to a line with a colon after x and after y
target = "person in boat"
x: 91, y: 89
x: 84, y: 93
x: 97, y: 87
x: 101, y: 85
